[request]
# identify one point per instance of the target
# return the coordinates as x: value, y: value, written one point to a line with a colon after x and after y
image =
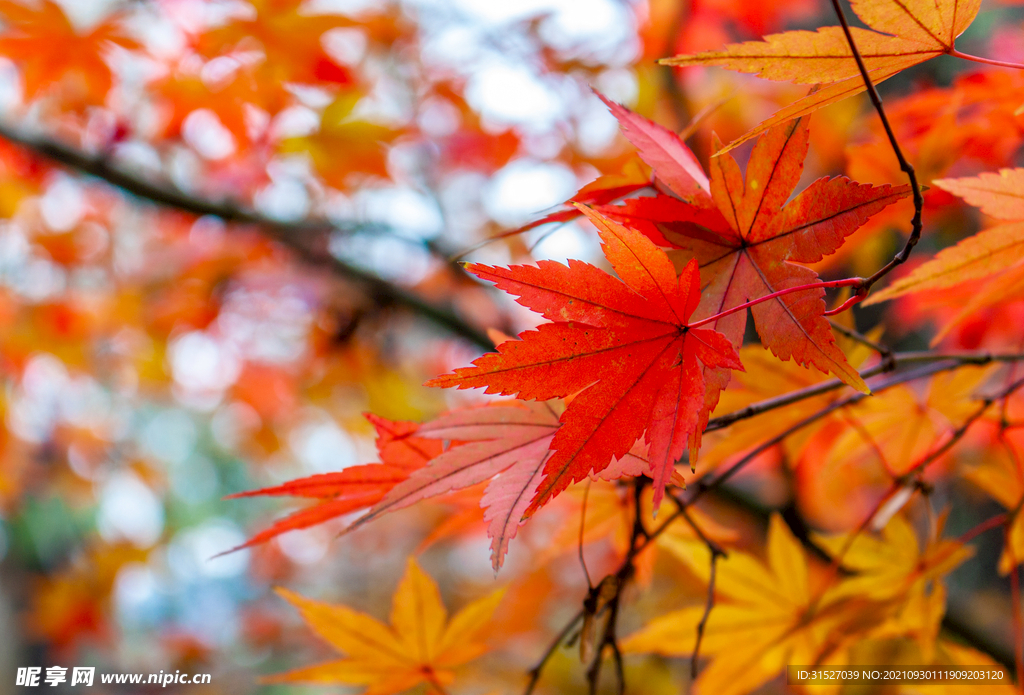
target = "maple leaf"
x: 289, y: 38
x: 904, y: 574
x: 420, y: 646
x: 749, y: 242
x: 1001, y: 475
x: 769, y: 615
x: 624, y: 346
x: 673, y: 162
x: 994, y: 253
x: 77, y: 69
x: 181, y: 94
x: 893, y: 563
x: 504, y: 444
x: 344, y: 143
x: 764, y: 617
x: 903, y: 33
x: 901, y: 426
x: 354, y: 488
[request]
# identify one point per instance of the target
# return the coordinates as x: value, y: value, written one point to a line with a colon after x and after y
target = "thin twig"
x: 987, y: 525
x: 961, y: 431
x: 639, y: 540
x: 886, y: 353
x: 905, y: 166
x: 716, y: 552
x: 562, y: 635
x: 920, y: 373
x: 302, y: 238
x: 955, y: 360
x: 583, y: 524
x: 709, y: 604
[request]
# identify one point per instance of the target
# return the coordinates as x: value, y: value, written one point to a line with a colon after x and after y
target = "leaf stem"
x: 846, y: 282
x: 987, y: 525
x: 905, y: 166
x: 583, y: 526
x: 985, y: 61
x: 855, y: 299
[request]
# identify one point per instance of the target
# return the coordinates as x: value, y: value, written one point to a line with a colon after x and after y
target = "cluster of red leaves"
x: 639, y: 374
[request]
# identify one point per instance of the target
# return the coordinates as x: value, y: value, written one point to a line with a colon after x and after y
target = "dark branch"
x: 923, y: 372
x: 954, y: 360
x: 715, y: 552
x: 301, y: 238
x: 856, y: 336
x: 710, y: 603
x: 563, y: 634
x: 905, y: 166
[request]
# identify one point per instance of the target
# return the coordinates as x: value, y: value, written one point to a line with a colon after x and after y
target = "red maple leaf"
x: 749, y: 242
x: 355, y: 488
x: 505, y: 445
x: 624, y: 347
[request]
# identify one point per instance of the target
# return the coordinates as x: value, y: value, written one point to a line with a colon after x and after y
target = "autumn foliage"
x: 302, y: 325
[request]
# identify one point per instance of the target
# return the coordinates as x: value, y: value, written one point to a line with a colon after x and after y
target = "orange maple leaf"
x: 344, y: 144
x: 905, y: 33
x: 77, y: 71
x: 993, y: 254
x: 289, y: 39
x: 625, y: 347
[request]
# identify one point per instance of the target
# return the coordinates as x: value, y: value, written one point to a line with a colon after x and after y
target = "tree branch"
x: 905, y: 166
x: 955, y: 359
x: 716, y: 552
x: 298, y: 237
x: 884, y: 352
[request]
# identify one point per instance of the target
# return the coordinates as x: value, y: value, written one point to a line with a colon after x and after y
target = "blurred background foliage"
x: 154, y: 361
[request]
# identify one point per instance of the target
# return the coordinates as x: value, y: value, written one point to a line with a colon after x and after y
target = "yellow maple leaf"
x: 345, y: 144
x: 895, y: 568
x: 1000, y: 475
x: 900, y: 427
x: 420, y: 646
x: 770, y: 615
x: 765, y: 618
x: 903, y: 33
